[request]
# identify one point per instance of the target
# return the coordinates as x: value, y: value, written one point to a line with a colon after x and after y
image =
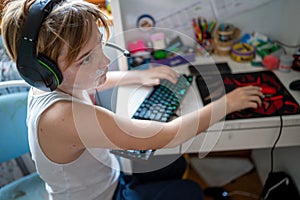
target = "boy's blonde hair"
x: 69, y: 24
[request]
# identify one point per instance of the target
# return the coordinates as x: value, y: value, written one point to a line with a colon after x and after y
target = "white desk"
x: 231, y: 135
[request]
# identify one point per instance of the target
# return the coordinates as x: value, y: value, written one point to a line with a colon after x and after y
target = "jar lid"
x: 286, y: 58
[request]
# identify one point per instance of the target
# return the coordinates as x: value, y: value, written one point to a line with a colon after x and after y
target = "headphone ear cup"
x: 52, y: 72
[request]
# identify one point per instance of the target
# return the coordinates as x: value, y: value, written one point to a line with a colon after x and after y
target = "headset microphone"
x: 125, y: 51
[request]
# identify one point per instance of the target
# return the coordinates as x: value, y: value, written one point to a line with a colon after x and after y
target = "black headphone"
x: 39, y: 71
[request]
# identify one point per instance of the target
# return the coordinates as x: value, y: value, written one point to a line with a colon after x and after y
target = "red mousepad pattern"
x: 277, y: 101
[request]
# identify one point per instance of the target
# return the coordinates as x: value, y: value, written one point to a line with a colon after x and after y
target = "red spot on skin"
x: 74, y: 145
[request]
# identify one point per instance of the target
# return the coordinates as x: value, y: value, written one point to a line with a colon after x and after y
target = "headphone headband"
x: 37, y: 14
x: 38, y: 71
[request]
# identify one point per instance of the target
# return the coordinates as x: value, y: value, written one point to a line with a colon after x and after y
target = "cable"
x: 283, y: 181
x: 286, y: 45
x: 262, y: 196
x: 277, y: 139
x: 243, y: 193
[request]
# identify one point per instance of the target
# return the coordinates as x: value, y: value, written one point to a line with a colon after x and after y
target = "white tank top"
x: 92, y: 176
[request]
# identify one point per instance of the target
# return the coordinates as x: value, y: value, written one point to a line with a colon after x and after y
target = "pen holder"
x: 203, y: 33
x: 206, y: 44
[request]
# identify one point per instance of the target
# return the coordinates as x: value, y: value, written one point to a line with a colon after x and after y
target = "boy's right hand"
x: 244, y: 97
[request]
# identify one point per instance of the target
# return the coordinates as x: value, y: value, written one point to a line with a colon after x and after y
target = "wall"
x: 277, y: 18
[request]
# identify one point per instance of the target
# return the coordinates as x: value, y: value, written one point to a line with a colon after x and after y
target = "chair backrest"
x: 13, y: 129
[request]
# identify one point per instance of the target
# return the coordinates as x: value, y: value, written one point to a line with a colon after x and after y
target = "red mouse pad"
x: 277, y: 101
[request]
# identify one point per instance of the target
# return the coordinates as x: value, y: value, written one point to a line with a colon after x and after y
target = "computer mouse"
x: 295, y: 85
x: 268, y: 90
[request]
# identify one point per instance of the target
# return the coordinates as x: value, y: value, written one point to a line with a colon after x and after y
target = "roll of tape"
x: 222, y: 48
x: 225, y: 32
x: 242, y: 52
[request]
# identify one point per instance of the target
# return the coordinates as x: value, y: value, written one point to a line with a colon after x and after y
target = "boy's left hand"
x: 152, y: 76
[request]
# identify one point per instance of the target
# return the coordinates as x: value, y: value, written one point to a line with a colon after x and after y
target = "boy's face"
x: 90, y: 67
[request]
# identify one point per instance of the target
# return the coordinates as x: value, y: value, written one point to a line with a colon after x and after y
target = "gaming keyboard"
x: 164, y: 100
x: 160, y: 105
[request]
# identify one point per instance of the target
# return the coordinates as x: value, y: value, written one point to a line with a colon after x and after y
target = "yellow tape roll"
x: 242, y: 52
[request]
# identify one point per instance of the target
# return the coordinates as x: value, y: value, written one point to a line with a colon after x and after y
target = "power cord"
x: 286, y: 45
x: 278, y: 137
x: 275, y: 143
x: 243, y: 193
x: 219, y: 193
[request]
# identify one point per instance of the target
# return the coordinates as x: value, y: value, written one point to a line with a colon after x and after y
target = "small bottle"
x: 286, y: 62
